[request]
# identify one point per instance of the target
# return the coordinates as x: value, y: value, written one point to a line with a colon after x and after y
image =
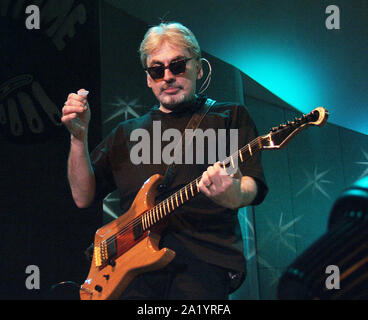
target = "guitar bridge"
x: 104, y: 251
x: 97, y: 254
x: 100, y: 254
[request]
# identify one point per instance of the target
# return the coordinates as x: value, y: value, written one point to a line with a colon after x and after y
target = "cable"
x: 206, y: 82
x: 74, y: 284
x: 64, y: 290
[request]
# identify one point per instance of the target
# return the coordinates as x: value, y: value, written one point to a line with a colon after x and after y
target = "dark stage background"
x: 40, y: 225
x: 95, y: 47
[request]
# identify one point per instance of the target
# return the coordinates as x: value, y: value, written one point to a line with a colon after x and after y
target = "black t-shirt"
x: 200, y: 228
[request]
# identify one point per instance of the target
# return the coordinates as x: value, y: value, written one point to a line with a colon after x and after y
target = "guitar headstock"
x: 281, y: 135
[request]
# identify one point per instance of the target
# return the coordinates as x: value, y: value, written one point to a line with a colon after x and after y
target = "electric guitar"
x: 129, y: 245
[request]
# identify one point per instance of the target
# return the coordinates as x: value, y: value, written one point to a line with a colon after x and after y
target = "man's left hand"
x: 226, y: 190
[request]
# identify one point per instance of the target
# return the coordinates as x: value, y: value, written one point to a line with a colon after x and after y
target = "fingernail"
x: 83, y: 93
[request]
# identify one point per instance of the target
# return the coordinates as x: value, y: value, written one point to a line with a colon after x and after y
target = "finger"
x: 82, y: 92
x: 217, y: 165
x: 74, y: 102
x: 206, y: 179
x: 76, y: 97
x: 72, y: 109
x: 220, y: 168
x: 68, y: 118
x: 212, y: 189
x: 223, y: 175
x: 214, y: 175
x: 203, y: 188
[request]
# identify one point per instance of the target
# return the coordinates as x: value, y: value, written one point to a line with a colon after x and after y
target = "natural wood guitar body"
x: 134, y: 256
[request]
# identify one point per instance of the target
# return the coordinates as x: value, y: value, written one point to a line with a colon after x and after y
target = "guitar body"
x: 108, y: 277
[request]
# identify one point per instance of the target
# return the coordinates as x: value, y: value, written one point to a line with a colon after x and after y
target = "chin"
x: 170, y: 102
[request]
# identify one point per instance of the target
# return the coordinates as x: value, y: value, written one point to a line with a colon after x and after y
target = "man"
x: 202, y: 232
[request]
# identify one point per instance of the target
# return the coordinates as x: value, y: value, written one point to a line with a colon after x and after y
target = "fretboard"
x: 166, y: 207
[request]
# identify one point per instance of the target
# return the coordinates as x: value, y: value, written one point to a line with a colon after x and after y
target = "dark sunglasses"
x: 176, y: 67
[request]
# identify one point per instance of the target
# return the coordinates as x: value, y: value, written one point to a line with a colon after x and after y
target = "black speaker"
x: 335, y: 267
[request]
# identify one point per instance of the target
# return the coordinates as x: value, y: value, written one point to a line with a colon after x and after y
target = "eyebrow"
x: 179, y: 57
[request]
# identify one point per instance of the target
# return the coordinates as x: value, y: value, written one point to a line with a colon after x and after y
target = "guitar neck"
x: 166, y: 207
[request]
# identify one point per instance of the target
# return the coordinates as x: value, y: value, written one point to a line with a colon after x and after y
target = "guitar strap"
x: 192, y: 124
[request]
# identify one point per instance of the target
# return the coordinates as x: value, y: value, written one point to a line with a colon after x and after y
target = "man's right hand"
x: 76, y: 115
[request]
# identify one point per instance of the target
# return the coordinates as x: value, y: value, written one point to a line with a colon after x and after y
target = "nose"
x: 168, y: 75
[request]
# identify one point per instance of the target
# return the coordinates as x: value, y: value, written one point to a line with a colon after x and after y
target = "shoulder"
x: 229, y: 105
x: 236, y: 114
x: 127, y: 126
x: 233, y: 109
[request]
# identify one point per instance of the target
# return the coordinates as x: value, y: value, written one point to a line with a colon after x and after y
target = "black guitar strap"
x: 192, y: 124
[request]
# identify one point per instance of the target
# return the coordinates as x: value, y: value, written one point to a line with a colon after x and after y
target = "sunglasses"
x: 176, y: 67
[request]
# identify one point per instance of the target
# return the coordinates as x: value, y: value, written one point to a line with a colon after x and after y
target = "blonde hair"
x: 174, y: 33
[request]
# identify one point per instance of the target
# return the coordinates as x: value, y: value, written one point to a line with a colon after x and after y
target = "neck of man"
x: 163, y: 109
x: 181, y: 105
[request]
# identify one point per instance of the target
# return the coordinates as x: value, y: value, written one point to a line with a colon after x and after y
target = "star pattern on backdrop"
x: 315, y: 181
x: 274, y: 273
x: 364, y: 163
x: 280, y: 233
x: 108, y: 204
x: 125, y: 108
x: 249, y: 236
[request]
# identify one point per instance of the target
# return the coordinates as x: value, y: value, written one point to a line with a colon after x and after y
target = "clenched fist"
x: 76, y: 114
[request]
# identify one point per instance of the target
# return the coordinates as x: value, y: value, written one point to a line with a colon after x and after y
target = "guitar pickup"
x: 111, y: 247
x: 138, y: 231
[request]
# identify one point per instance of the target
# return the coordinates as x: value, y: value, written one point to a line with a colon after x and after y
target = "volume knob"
x: 98, y: 288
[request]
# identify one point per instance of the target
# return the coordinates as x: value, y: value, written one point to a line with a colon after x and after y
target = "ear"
x: 149, y: 80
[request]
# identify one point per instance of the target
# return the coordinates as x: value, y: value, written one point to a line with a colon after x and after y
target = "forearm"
x: 248, y: 191
x: 240, y: 194
x: 80, y: 173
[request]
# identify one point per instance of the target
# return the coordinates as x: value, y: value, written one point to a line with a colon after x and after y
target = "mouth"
x: 171, y: 90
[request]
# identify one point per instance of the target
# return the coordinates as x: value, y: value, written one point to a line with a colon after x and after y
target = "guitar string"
x: 190, y: 186
x: 187, y: 188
